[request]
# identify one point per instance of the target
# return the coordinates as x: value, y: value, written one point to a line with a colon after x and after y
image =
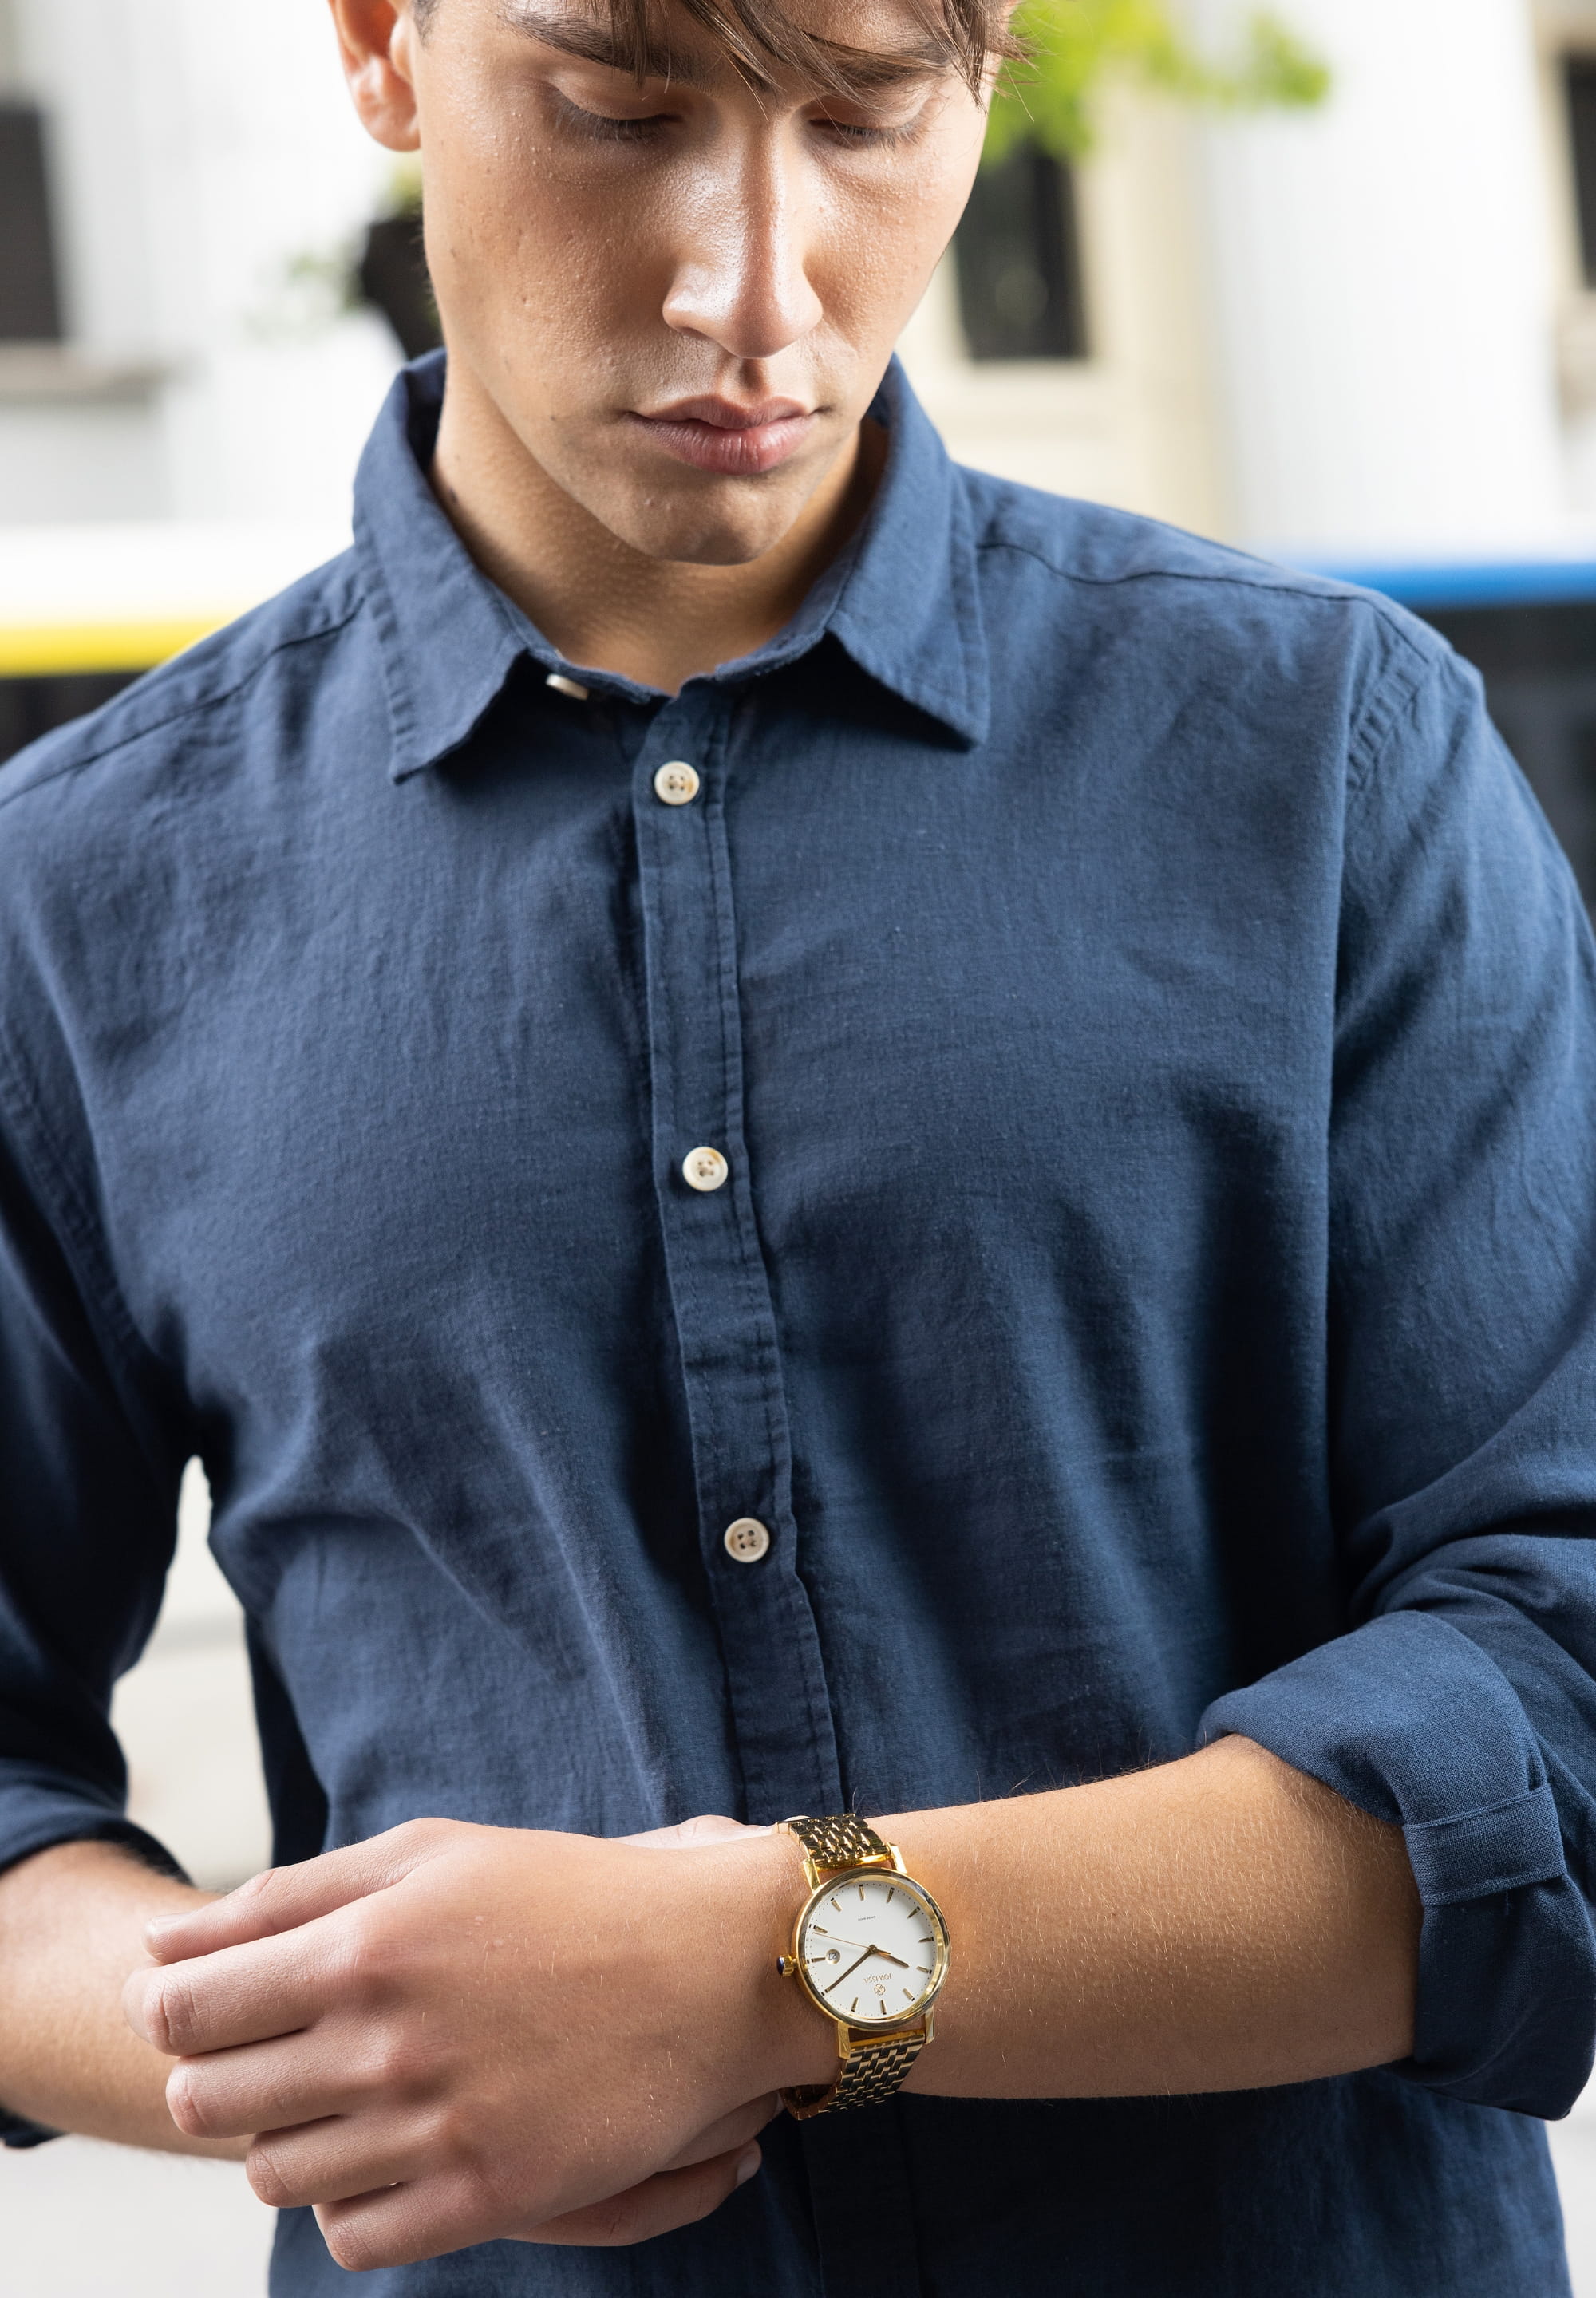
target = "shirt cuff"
x: 1411, y: 1721
x: 39, y: 1808
x: 16, y: 2133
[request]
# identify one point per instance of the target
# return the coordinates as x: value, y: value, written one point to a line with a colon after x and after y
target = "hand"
x: 455, y: 2034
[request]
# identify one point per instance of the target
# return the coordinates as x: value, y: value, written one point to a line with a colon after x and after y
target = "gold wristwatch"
x: 870, y: 1950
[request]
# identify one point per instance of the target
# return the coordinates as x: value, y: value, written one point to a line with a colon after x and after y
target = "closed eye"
x: 605, y: 128
x: 868, y: 134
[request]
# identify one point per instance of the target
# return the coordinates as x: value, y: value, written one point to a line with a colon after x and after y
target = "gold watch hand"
x: 848, y: 1974
x: 897, y: 1959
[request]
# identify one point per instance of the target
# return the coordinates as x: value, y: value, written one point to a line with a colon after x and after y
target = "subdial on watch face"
x: 871, y: 1949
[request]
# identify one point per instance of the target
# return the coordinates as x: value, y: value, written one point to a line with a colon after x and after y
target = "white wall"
x: 202, y: 146
x: 1135, y: 424
x: 1383, y: 303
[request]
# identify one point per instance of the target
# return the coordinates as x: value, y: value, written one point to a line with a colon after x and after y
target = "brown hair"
x: 760, y: 35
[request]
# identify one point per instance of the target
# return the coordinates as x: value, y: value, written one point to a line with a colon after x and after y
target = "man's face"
x: 626, y: 268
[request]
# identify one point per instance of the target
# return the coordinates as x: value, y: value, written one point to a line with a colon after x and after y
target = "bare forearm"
x: 456, y: 2034
x: 1217, y: 1923
x: 72, y: 1925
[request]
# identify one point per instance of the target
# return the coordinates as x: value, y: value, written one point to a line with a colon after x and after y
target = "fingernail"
x: 748, y: 2162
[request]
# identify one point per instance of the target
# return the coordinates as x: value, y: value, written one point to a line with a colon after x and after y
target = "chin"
x: 702, y: 534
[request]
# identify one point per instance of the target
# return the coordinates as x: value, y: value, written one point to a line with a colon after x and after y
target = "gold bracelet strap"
x: 839, y: 1841
x: 870, y: 2076
x: 873, y: 2065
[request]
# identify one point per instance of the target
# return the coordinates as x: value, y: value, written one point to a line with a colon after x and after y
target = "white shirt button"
x: 676, y: 783
x: 705, y: 1169
x: 747, y: 1540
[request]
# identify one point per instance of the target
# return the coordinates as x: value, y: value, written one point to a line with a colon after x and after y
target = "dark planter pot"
x: 394, y: 279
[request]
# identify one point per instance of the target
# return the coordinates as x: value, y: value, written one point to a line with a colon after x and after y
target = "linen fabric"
x: 1151, y: 1033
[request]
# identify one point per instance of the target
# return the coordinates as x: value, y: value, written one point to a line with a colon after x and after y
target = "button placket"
x: 720, y: 1293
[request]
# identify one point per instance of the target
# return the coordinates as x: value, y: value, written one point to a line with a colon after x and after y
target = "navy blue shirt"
x: 1150, y: 1032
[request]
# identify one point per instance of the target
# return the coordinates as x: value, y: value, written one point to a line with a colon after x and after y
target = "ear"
x: 377, y: 43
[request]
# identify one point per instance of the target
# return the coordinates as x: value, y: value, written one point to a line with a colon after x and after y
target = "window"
x: 29, y: 296
x: 1539, y: 664
x: 1580, y: 78
x: 32, y: 707
x: 1018, y: 257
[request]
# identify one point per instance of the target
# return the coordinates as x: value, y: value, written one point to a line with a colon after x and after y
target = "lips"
x: 717, y: 435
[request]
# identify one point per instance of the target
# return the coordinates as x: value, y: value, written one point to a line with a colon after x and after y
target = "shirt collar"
x: 901, y: 598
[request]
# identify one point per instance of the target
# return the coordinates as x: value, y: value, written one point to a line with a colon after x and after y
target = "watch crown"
x: 785, y: 1966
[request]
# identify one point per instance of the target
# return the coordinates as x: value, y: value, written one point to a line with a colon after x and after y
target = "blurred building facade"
x: 1368, y: 330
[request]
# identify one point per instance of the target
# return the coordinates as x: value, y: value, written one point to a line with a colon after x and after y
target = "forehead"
x: 877, y: 43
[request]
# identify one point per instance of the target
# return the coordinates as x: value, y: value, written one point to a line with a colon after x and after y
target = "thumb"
x: 283, y: 1897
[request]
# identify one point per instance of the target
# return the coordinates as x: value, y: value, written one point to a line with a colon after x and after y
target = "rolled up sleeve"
x: 91, y: 1456
x: 1461, y: 1337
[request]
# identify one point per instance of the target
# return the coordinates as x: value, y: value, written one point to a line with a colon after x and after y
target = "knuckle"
x: 257, y: 1887
x: 170, y: 2014
x: 352, y: 2243
x: 268, y: 2177
x: 413, y: 1835
x: 617, y: 2224
x: 186, y: 2102
x: 361, y: 1958
x: 388, y: 2061
x: 710, y: 1827
x: 345, y: 2246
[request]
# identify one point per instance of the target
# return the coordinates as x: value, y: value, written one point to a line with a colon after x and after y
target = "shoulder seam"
x: 191, y: 709
x: 1372, y: 730
x: 1375, y: 729
x: 1385, y: 610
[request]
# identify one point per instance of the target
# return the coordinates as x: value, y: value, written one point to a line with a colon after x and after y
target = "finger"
x: 283, y: 1897
x: 341, y: 2158
x: 675, y: 2198
x: 277, y: 2086
x: 730, y: 2135
x: 239, y: 1995
x: 692, y: 1834
x: 400, y: 2225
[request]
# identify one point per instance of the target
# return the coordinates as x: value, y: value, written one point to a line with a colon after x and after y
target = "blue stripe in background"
x: 1508, y: 583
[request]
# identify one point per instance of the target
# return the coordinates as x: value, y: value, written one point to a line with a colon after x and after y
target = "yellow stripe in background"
x: 60, y: 649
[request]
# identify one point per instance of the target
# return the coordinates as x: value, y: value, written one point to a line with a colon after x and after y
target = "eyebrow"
x: 582, y: 36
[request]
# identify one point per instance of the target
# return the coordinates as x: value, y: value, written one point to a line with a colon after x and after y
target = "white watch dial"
x: 871, y: 1947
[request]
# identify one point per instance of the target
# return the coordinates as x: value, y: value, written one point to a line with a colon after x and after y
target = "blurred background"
x: 1322, y: 284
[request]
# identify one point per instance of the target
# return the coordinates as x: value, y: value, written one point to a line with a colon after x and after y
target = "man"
x: 800, y: 1133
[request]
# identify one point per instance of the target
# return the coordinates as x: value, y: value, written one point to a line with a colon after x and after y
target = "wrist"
x: 780, y: 2041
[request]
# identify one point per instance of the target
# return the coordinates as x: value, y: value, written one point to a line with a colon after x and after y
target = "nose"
x: 741, y: 280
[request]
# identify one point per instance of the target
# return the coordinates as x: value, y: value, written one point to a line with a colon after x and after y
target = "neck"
x: 604, y: 605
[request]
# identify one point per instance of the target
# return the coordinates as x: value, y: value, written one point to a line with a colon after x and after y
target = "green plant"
x: 1073, y: 48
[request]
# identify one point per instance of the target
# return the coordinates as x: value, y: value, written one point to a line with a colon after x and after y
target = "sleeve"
x: 1461, y: 1337
x: 91, y: 1457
